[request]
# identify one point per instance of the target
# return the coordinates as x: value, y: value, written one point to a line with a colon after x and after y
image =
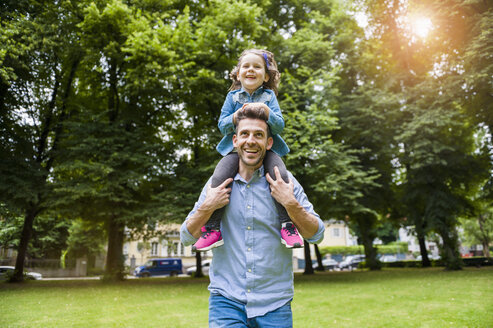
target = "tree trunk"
x: 370, y: 252
x: 115, y: 270
x: 367, y: 237
x: 420, y: 234
x: 450, y: 248
x: 485, y: 241
x: 308, y: 259
x: 27, y: 231
x: 320, y: 266
x: 425, y: 260
x: 198, y: 265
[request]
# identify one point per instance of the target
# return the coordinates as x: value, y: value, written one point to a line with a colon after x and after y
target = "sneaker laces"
x: 291, y: 229
x: 206, y: 233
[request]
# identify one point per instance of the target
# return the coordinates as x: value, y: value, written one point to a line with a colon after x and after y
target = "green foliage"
x: 392, y: 248
x: 342, y: 250
x: 49, y: 239
x: 85, y: 239
x: 108, y: 113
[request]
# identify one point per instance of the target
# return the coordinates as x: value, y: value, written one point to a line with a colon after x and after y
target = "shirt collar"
x: 256, y: 175
x: 258, y: 91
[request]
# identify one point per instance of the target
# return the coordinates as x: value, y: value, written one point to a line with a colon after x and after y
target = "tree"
x: 425, y: 75
x: 116, y: 149
x: 37, y: 75
x: 86, y: 239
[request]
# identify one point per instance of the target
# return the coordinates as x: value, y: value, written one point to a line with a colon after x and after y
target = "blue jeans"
x: 225, y: 313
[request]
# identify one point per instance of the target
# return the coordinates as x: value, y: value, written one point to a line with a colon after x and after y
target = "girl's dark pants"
x: 228, y: 167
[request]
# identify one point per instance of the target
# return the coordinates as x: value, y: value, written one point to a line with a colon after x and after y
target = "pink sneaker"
x: 209, y: 239
x: 290, y: 236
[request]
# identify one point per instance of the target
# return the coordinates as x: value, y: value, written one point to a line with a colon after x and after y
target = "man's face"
x: 251, y: 142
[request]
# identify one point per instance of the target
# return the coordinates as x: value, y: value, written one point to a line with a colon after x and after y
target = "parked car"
x: 159, y: 267
x: 206, y: 265
x: 351, y: 262
x: 430, y: 257
x: 386, y: 258
x: 329, y: 264
x: 7, y: 271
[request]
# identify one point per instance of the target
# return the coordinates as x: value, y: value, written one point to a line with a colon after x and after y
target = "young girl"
x: 255, y: 79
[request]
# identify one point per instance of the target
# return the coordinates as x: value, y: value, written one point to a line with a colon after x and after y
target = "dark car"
x: 351, y: 262
x: 159, y: 267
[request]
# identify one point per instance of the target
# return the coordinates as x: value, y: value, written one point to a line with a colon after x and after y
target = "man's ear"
x: 234, y: 140
x: 270, y: 142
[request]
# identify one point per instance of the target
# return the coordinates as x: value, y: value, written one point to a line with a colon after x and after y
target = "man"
x: 251, y: 275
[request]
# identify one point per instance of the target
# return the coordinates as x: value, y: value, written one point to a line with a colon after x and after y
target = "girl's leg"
x: 226, y: 168
x: 270, y: 161
x: 211, y: 235
x: 289, y: 234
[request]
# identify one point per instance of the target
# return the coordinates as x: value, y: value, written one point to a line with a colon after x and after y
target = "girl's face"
x: 252, y: 72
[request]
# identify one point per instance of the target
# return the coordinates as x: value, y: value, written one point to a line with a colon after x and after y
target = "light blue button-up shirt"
x: 234, y: 101
x: 253, y: 267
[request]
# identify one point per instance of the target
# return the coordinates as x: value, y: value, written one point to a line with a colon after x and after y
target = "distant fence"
x: 52, y: 267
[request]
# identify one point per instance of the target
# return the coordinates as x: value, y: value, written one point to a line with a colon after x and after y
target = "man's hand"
x: 217, y: 197
x: 283, y: 192
x: 280, y: 190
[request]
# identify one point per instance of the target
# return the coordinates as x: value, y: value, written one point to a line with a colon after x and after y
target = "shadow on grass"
x: 341, y: 277
x: 80, y: 283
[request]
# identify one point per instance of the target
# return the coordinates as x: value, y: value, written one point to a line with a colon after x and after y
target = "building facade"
x: 167, y: 244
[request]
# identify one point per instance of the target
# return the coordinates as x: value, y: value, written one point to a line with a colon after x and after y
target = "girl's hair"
x: 270, y: 69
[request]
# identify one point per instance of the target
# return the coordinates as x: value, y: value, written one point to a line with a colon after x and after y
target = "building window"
x: 154, y: 246
x: 336, y: 232
x: 165, y: 248
x: 175, y: 248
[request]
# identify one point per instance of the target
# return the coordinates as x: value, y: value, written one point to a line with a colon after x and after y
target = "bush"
x: 342, y: 250
x: 391, y: 248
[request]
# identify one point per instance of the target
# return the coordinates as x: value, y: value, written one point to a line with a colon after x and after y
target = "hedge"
x: 392, y: 248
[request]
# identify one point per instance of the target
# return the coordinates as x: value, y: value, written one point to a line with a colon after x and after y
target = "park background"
x: 109, y: 109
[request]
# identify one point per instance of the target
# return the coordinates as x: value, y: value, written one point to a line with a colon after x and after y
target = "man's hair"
x: 253, y: 111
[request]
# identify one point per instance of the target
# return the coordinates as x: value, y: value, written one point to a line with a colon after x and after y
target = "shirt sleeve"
x: 225, y: 123
x: 186, y: 237
x: 301, y: 197
x: 276, y: 120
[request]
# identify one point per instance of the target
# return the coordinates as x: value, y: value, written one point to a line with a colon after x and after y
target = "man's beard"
x: 259, y: 160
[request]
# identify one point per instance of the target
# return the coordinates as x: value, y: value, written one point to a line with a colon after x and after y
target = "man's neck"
x: 247, y: 172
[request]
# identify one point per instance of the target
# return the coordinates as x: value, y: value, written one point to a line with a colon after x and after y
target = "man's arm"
x: 283, y: 192
x: 214, y: 199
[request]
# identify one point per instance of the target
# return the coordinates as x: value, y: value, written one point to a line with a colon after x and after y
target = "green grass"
x: 388, y: 298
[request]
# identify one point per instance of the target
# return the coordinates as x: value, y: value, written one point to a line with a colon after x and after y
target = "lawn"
x: 388, y: 298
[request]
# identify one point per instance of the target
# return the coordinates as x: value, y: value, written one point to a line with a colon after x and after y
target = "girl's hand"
x: 267, y: 110
x: 234, y: 114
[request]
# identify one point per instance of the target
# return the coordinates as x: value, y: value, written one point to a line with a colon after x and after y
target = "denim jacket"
x: 234, y: 101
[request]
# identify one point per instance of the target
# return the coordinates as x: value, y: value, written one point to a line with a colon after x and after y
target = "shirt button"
x: 248, y: 186
x: 248, y: 290
x: 249, y: 270
x: 249, y: 227
x: 249, y: 249
x: 249, y: 207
